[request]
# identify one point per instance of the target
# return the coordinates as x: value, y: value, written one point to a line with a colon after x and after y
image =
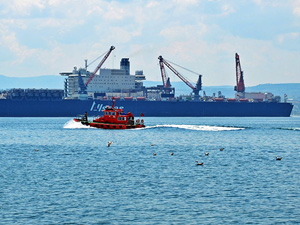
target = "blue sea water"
x: 56, y: 172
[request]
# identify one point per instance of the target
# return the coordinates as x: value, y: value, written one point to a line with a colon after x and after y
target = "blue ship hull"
x: 71, y: 108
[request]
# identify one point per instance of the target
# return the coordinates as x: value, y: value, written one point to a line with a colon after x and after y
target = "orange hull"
x: 116, y: 126
x: 109, y: 125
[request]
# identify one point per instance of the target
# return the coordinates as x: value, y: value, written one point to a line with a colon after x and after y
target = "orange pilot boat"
x: 112, y: 119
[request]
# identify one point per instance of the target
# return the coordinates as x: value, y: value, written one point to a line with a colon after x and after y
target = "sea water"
x: 56, y: 171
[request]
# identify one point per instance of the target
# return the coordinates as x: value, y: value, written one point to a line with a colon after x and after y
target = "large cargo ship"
x: 91, y: 92
x: 71, y: 108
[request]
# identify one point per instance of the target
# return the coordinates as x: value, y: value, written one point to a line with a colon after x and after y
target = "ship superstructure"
x: 108, y: 82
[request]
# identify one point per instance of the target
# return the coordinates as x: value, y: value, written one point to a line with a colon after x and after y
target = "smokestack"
x: 125, y: 65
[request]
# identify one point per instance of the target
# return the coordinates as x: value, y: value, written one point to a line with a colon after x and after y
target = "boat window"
x: 119, y: 118
x: 113, y: 113
x: 105, y: 113
x: 109, y: 113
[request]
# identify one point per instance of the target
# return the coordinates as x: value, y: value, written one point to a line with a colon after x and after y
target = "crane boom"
x: 161, y: 59
x: 99, y: 65
x: 163, y: 71
x: 240, y: 86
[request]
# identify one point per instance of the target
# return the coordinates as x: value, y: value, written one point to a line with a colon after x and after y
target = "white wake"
x: 198, y: 127
x: 75, y: 125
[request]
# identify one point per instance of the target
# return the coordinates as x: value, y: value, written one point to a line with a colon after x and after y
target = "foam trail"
x: 198, y: 127
x: 75, y: 125
x: 293, y: 129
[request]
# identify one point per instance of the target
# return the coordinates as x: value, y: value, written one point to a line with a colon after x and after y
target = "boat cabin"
x: 117, y: 116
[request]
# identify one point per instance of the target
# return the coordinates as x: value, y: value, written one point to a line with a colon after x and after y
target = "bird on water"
x: 109, y: 143
x: 199, y: 164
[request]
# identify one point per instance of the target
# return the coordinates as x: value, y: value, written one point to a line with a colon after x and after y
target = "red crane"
x: 163, y: 72
x: 240, y: 86
x: 163, y: 62
x: 99, y: 65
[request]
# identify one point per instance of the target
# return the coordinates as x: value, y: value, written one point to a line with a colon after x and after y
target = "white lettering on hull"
x: 99, y: 107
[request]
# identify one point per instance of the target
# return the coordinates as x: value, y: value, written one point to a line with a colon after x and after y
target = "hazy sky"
x: 46, y: 37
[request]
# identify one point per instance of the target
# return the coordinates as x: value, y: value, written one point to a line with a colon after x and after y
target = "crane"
x: 99, y: 65
x: 195, y: 88
x: 82, y: 85
x: 166, y: 81
x: 240, y: 86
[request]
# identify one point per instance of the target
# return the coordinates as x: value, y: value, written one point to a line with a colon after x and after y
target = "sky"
x: 46, y: 37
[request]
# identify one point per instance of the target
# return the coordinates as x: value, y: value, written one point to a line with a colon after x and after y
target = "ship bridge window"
x: 109, y: 113
x: 113, y: 113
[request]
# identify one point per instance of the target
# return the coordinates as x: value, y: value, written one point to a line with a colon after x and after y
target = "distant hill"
x: 48, y: 81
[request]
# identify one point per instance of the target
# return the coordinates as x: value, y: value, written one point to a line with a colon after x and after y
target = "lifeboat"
x: 112, y: 119
x: 140, y: 98
x: 128, y: 98
x: 219, y: 99
x: 244, y: 100
x: 231, y: 100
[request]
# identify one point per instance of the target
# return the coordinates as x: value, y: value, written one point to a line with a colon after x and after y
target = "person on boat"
x: 130, y: 118
x: 85, y: 116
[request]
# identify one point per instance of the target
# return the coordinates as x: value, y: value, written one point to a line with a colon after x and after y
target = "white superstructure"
x: 107, y: 81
